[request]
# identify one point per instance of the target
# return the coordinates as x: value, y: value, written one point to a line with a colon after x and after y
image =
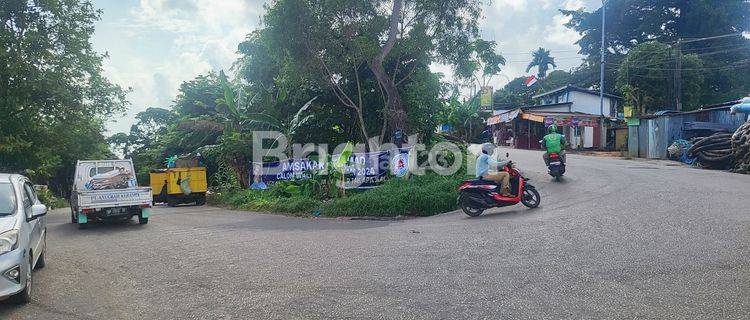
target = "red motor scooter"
x: 477, y: 195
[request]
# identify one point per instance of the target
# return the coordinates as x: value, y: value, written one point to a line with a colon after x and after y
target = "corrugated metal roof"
x: 574, y: 88
x: 709, y: 108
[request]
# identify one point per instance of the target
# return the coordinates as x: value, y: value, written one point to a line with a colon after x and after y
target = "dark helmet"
x: 488, y: 148
x: 552, y: 128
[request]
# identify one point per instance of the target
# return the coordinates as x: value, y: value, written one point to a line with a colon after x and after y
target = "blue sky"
x: 154, y: 45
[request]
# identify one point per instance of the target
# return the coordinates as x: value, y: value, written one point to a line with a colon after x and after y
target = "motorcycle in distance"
x: 478, y: 195
x: 556, y: 166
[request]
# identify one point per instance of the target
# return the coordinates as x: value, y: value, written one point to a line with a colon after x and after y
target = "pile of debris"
x: 741, y: 149
x: 714, y: 151
x: 119, y: 178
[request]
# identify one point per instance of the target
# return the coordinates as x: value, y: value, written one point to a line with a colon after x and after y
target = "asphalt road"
x: 616, y: 239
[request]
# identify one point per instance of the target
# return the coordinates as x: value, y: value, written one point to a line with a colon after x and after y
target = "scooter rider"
x: 554, y: 143
x: 484, y: 162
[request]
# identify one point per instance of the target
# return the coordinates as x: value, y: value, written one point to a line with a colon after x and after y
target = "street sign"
x: 485, y: 97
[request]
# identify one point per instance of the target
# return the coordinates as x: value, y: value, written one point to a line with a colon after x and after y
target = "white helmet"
x: 488, y: 148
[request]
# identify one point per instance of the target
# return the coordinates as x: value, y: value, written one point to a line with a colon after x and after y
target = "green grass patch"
x: 265, y: 201
x: 419, y: 196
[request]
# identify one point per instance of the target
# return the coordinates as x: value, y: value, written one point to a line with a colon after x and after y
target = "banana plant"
x: 262, y: 121
x: 339, y: 167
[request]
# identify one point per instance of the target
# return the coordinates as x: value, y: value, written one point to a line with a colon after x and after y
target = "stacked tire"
x: 741, y: 149
x: 714, y: 151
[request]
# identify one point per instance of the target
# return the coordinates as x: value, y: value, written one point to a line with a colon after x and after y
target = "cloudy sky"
x: 154, y: 45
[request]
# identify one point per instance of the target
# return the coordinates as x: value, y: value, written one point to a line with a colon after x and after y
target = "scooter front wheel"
x: 469, y: 209
x: 531, y: 198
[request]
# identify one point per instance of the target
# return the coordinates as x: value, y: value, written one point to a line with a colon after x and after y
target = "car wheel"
x: 25, y: 295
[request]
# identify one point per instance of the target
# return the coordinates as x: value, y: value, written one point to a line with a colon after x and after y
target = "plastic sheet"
x: 120, y: 178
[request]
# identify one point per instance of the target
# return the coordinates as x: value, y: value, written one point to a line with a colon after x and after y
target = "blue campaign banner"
x: 363, y: 170
x: 287, y: 170
x: 366, y: 170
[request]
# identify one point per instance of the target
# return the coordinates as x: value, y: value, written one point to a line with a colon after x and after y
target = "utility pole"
x: 602, y: 129
x: 678, y: 75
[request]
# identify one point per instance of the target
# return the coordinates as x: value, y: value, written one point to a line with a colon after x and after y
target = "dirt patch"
x: 603, y: 154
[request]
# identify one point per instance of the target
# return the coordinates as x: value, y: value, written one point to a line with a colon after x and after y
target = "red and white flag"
x: 530, y: 81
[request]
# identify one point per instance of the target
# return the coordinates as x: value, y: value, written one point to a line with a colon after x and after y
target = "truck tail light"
x: 145, y: 206
x: 87, y: 211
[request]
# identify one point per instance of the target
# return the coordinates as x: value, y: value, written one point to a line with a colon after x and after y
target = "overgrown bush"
x: 224, y: 180
x: 425, y: 195
x: 266, y: 201
x: 50, y: 200
x: 419, y: 196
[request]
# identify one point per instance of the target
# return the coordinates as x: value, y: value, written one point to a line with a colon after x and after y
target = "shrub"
x: 265, y: 201
x: 49, y: 199
x: 420, y: 196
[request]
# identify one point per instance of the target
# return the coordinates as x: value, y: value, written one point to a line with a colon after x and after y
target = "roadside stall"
x: 523, y: 130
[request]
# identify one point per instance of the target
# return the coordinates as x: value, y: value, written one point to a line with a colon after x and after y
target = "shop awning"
x: 506, y: 116
x: 572, y: 119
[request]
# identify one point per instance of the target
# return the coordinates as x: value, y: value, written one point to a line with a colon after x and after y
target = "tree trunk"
x: 239, y: 166
x: 360, y: 116
x: 397, y: 114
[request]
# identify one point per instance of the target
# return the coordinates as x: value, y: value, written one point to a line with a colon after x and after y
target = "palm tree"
x: 542, y: 60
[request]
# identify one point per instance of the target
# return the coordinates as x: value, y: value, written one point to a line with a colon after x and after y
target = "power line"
x: 556, y: 59
x: 735, y: 64
x: 688, y: 40
x: 529, y: 52
x: 672, y: 59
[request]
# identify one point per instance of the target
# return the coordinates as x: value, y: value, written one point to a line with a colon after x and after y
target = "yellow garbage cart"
x: 179, y: 185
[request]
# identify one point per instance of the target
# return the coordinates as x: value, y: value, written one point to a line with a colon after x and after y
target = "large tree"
x: 646, y: 78
x: 344, y: 42
x: 53, y: 96
x: 711, y: 29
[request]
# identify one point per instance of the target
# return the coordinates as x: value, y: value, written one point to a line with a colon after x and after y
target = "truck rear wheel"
x: 171, y: 201
x: 200, y: 200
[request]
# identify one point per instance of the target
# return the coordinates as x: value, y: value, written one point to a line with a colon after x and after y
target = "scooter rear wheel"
x: 468, y: 209
x: 530, y: 198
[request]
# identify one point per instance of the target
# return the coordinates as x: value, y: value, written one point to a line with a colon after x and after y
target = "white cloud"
x: 573, y: 4
x: 157, y: 44
x: 162, y: 43
x: 557, y: 33
x: 197, y: 16
x: 515, y: 5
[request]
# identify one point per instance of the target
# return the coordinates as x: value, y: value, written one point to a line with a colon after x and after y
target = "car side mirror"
x: 37, y: 211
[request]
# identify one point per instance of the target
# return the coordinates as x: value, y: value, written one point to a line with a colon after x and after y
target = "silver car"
x: 23, y: 236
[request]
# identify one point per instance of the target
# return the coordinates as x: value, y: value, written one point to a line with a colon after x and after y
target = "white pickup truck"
x: 107, y: 189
